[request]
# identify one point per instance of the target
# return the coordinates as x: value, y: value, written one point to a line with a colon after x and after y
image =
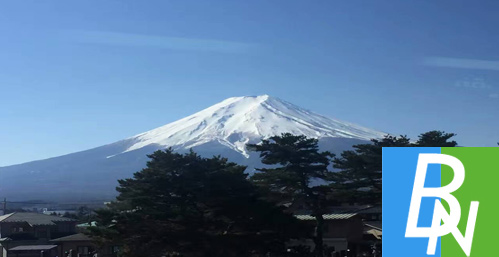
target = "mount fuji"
x: 222, y: 129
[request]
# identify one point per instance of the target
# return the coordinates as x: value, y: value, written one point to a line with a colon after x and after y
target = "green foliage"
x: 82, y: 214
x: 436, y: 139
x: 193, y: 206
x: 83, y: 211
x: 70, y: 215
x: 296, y: 162
x: 85, y: 214
x: 359, y: 176
x: 296, y: 165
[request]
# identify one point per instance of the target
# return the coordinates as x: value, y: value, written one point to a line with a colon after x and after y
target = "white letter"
x: 451, y: 220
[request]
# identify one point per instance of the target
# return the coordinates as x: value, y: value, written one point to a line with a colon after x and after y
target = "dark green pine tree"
x: 359, y: 177
x: 435, y: 138
x: 186, y: 205
x: 359, y: 171
x: 295, y: 163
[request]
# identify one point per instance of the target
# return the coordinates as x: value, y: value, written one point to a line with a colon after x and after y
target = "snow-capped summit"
x: 222, y: 129
x: 238, y: 120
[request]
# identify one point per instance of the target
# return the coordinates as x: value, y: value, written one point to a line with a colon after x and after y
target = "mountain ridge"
x: 226, y: 123
x: 221, y: 129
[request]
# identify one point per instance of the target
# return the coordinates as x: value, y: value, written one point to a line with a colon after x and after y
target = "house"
x: 372, y: 219
x: 352, y: 230
x: 28, y: 234
x: 343, y: 232
x: 83, y: 246
x: 33, y: 250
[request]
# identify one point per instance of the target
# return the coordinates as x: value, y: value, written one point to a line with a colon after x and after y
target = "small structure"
x: 371, y: 243
x: 28, y: 234
x: 373, y: 229
x: 83, y: 246
x: 82, y: 227
x: 33, y: 250
x: 350, y: 230
x: 343, y: 232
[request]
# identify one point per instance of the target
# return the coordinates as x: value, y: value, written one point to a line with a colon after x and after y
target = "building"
x: 349, y: 230
x: 83, y: 246
x: 33, y: 250
x: 27, y: 234
x: 343, y: 232
x: 58, y: 212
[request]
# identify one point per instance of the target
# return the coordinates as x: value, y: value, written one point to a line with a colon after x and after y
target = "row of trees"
x: 187, y: 205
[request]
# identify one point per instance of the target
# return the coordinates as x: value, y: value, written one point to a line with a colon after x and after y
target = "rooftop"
x: 32, y: 247
x: 33, y: 219
x: 333, y: 216
x: 75, y: 237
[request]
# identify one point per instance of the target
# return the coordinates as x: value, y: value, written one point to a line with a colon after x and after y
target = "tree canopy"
x: 436, y: 138
x: 297, y: 168
x: 359, y: 176
x: 192, y: 206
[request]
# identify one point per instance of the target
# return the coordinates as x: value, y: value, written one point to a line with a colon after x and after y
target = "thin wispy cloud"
x: 494, y: 96
x: 473, y: 83
x: 160, y: 42
x: 461, y: 63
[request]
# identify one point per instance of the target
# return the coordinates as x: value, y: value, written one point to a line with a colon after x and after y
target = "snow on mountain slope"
x: 238, y: 120
x: 222, y: 129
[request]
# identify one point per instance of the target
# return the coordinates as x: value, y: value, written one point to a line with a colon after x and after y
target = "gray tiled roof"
x: 33, y: 219
x: 371, y: 210
x: 75, y: 237
x: 32, y: 247
x: 373, y: 224
x: 333, y: 216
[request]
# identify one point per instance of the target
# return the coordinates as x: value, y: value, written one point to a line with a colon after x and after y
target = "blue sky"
x: 80, y: 74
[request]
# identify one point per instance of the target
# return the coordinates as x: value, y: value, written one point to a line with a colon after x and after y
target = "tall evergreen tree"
x: 359, y: 177
x: 192, y: 206
x: 359, y: 171
x: 296, y: 162
x: 436, y: 138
